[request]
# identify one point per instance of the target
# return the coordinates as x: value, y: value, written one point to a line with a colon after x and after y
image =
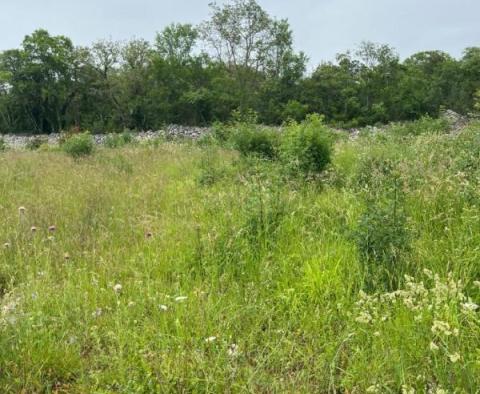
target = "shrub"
x: 306, y: 147
x: 383, y: 239
x: 79, y: 145
x: 118, y: 140
x: 254, y: 140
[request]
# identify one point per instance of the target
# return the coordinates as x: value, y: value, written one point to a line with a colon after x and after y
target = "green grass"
x: 279, y: 297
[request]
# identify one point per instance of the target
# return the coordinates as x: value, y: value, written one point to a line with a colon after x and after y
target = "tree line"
x: 239, y: 60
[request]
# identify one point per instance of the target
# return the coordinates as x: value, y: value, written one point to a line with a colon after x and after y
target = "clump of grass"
x: 118, y: 140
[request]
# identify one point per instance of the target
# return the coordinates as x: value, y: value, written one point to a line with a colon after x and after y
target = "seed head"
x: 52, y: 228
x: 21, y: 210
x: 33, y: 229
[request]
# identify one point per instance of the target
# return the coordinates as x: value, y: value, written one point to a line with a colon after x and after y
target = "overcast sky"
x: 322, y: 28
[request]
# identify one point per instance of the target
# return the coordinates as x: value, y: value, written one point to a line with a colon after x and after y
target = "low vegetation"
x: 309, y: 262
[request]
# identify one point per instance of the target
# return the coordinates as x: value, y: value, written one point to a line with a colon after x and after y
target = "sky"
x: 321, y: 28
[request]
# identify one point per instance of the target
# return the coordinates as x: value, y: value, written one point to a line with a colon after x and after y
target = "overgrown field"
x: 182, y: 267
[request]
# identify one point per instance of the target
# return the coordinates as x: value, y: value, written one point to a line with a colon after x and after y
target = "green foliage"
x: 383, y: 241
x: 3, y: 145
x: 118, y: 140
x: 79, y: 145
x: 424, y: 125
x: 306, y: 147
x: 249, y: 139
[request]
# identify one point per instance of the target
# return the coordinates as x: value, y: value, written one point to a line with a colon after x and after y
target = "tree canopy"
x: 240, y: 59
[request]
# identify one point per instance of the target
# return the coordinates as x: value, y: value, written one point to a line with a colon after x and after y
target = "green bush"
x: 306, y: 147
x: 383, y: 239
x: 252, y: 140
x: 79, y: 145
x: 118, y: 140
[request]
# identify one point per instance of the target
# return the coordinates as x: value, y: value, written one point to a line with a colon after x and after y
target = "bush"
x: 306, y: 147
x: 118, y: 140
x: 383, y: 239
x: 79, y: 145
x: 254, y: 140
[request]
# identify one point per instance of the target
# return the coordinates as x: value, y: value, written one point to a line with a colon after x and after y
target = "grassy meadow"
x: 188, y: 267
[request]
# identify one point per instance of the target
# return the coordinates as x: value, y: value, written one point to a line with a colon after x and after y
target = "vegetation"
x: 238, y: 60
x: 78, y: 145
x: 182, y: 267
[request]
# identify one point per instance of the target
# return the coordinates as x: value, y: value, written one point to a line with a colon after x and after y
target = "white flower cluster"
x: 420, y: 299
x: 434, y: 303
x: 8, y: 308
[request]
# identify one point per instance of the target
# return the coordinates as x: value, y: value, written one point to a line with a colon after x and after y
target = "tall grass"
x: 183, y: 268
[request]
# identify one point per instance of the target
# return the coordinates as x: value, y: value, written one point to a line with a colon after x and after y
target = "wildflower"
x: 469, y: 306
x: 373, y: 389
x: 376, y: 334
x: 117, y: 288
x: 180, y: 298
x: 163, y: 308
x: 233, y: 350
x: 454, y: 357
x: 21, y: 210
x: 428, y: 273
x: 407, y: 390
x: 210, y: 339
x: 6, y: 245
x: 441, y: 327
x: 148, y: 234
x: 66, y: 256
x: 97, y: 313
x: 33, y: 229
x: 364, y: 318
x: 52, y: 229
x: 433, y: 346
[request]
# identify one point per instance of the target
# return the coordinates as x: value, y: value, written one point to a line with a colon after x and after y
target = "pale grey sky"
x: 322, y: 28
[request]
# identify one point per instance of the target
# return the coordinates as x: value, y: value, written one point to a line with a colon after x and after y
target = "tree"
x: 41, y: 77
x: 176, y: 43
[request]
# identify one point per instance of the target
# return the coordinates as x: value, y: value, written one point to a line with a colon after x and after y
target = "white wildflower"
x: 233, y: 350
x: 364, y: 318
x: 441, y: 327
x: 454, y: 357
x: 97, y: 313
x: 469, y: 306
x: 117, y: 288
x: 163, y: 308
x: 433, y: 346
x: 180, y: 298
x: 210, y: 339
x: 407, y: 389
